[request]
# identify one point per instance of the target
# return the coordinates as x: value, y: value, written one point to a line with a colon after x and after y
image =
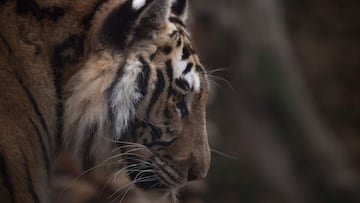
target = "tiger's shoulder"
x: 39, y: 39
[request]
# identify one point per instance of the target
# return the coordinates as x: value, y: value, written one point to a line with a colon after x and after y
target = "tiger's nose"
x: 199, y: 163
x: 195, y: 174
x: 192, y: 175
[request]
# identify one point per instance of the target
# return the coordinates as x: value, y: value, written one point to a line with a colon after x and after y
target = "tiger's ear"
x: 133, y: 20
x: 179, y: 8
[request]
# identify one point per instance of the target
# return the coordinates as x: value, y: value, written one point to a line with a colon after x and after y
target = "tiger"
x: 114, y: 83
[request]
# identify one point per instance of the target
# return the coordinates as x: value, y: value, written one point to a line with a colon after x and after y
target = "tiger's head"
x: 140, y: 96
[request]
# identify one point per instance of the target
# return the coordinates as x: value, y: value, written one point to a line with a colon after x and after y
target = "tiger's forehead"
x: 185, y: 63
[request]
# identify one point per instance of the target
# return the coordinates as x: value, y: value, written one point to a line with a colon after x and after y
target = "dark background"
x: 285, y: 100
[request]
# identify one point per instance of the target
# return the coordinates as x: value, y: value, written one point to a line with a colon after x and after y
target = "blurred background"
x: 284, y: 111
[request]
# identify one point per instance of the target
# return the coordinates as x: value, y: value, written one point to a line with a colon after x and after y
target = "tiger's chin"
x: 155, y: 190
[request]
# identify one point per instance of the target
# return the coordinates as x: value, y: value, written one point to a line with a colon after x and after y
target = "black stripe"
x: 169, y: 70
x: 183, y: 108
x: 68, y: 52
x: 30, y: 7
x: 192, y: 51
x: 116, y: 80
x: 177, y: 21
x: 166, y: 50
x: 156, y: 132
x: 53, y: 13
x: 25, y: 7
x: 200, y: 69
x: 188, y: 68
x: 143, y: 77
x: 45, y: 155
x: 130, y: 130
x: 88, y: 159
x: 170, y: 91
x: 119, y: 23
x: 173, y: 33
x: 86, y: 21
x: 159, y: 87
x: 33, y: 102
x: 152, y: 56
x: 178, y: 43
x: 170, y: 74
x: 179, y: 7
x: 183, y: 84
x: 186, y: 52
x: 7, y: 44
x: 2, y: 2
x: 59, y: 116
x: 6, y: 177
x: 173, y: 178
x: 30, y: 183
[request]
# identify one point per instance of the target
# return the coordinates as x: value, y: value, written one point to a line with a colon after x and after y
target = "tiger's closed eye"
x: 178, y: 97
x: 181, y: 105
x: 182, y: 108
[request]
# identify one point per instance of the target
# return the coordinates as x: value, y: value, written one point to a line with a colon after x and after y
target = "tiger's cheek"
x: 141, y: 135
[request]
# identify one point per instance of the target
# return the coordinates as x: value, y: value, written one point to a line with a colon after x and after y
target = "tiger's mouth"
x: 150, y: 175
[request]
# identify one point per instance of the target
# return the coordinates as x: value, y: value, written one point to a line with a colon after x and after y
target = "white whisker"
x: 224, y: 154
x: 87, y: 171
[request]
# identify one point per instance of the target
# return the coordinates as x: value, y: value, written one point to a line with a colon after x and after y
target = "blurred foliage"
x: 269, y: 115
x: 326, y: 37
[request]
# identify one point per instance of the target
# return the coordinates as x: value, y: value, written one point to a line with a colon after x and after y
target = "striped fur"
x: 114, y: 83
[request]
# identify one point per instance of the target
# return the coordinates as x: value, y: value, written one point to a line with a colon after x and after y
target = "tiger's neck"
x: 99, y: 108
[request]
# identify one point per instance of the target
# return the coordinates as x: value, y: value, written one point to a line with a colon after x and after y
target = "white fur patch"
x: 179, y: 65
x: 87, y: 106
x: 137, y: 4
x: 125, y: 96
x: 196, y: 81
x: 191, y: 77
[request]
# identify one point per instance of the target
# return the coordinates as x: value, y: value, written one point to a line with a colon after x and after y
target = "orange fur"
x: 57, y: 54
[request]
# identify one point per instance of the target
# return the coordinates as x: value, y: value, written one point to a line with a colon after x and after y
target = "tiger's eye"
x: 182, y: 108
x: 178, y: 97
